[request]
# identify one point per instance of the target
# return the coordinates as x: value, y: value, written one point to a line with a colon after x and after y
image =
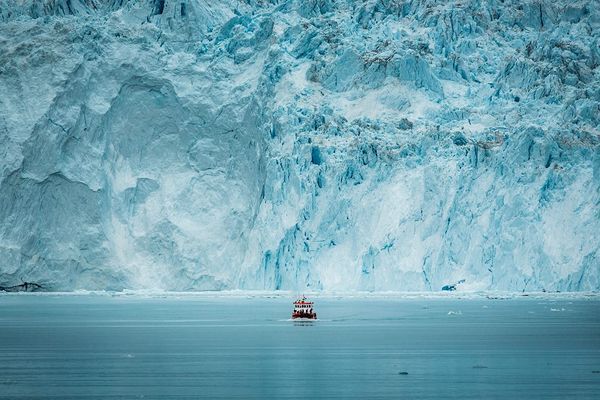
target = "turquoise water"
x: 128, y: 347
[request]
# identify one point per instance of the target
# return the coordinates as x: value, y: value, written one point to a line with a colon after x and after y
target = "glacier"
x: 374, y: 145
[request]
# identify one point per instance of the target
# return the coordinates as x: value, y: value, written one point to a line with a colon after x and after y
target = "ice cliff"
x: 334, y: 145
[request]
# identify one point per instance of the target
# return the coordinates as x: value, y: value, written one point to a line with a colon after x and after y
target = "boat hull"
x: 303, y: 316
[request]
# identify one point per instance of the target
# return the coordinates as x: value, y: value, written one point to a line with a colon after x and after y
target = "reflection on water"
x: 168, y: 348
x: 304, y: 322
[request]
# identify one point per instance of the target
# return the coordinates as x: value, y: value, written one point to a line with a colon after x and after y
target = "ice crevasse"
x: 300, y: 144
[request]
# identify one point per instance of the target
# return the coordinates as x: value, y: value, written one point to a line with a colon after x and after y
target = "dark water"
x: 84, y: 347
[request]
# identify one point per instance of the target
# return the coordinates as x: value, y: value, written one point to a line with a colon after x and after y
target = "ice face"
x: 332, y: 145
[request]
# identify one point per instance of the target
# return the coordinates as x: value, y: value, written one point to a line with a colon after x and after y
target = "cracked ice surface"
x: 331, y: 145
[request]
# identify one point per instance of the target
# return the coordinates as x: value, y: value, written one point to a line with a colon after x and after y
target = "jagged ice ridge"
x: 330, y: 145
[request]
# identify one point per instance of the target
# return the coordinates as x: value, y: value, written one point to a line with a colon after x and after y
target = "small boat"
x: 304, y: 309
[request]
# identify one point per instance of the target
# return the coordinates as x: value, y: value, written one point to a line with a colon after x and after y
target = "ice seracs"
x: 332, y: 145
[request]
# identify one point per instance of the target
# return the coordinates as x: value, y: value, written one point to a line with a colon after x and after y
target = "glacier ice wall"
x: 334, y: 145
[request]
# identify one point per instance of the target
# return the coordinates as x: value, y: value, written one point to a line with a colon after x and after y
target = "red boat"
x: 304, y: 309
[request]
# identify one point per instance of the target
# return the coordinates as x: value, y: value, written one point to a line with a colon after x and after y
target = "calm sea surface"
x: 126, y: 347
